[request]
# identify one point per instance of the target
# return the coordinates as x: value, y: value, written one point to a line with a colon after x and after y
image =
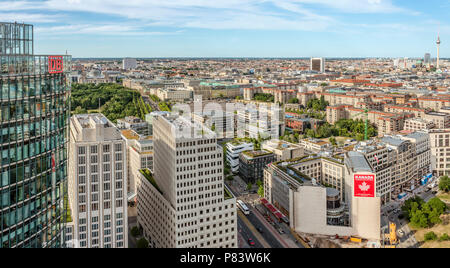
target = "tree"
x: 421, y: 214
x: 430, y: 236
x: 333, y: 141
x: 142, y: 243
x: 249, y: 186
x: 293, y: 101
x: 80, y: 110
x: 444, y: 184
x: 261, y: 191
x: 135, y: 231
x: 444, y: 237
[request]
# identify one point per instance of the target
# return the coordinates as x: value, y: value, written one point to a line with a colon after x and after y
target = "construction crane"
x: 366, y: 130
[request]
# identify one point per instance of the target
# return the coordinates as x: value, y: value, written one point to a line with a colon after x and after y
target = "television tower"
x: 438, y: 42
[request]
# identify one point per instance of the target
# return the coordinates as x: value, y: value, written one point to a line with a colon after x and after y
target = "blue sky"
x: 235, y: 28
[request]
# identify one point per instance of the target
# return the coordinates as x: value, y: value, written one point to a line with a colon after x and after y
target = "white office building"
x: 234, y: 148
x: 129, y: 64
x: 184, y: 203
x: 97, y: 183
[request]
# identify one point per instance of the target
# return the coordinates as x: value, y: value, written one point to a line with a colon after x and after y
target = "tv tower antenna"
x: 438, y: 43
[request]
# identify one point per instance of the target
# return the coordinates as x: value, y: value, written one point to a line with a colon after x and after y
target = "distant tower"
x: 438, y: 42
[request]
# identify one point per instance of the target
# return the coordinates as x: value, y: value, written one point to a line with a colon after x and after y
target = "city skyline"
x: 253, y: 28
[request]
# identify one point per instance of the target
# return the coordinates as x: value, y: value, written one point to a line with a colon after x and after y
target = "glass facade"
x: 34, y: 111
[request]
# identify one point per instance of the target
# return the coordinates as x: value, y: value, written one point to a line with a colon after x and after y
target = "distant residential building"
x: 318, y: 65
x: 416, y: 124
x: 252, y: 164
x: 97, y: 182
x: 172, y: 94
x: 261, y: 120
x: 218, y: 121
x: 440, y: 120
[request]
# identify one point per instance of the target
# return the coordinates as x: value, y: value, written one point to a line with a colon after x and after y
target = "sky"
x: 235, y: 28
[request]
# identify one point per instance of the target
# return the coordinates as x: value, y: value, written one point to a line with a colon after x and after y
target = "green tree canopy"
x: 444, y: 184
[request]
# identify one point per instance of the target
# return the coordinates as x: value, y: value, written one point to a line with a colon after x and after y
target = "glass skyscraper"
x: 34, y: 111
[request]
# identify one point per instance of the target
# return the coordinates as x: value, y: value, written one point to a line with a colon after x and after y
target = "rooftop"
x: 149, y: 176
x: 254, y: 154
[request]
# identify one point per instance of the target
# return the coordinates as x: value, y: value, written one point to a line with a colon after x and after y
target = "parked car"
x: 250, y: 242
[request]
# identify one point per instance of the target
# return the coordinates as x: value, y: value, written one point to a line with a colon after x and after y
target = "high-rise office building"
x: 318, y: 65
x: 185, y: 203
x: 33, y: 126
x: 97, y: 183
x: 129, y: 64
x: 427, y: 58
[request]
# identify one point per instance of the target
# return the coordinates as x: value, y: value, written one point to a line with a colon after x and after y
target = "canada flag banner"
x: 364, y: 186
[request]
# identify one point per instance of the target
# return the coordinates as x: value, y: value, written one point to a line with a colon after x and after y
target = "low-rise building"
x: 314, y: 145
x: 252, y: 164
x: 234, y: 149
x: 283, y: 150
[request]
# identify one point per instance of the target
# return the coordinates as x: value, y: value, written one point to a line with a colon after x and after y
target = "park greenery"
x: 317, y: 104
x: 163, y: 106
x: 114, y: 101
x: 423, y: 215
x: 309, y: 113
x: 265, y: 97
x: 343, y: 128
x: 444, y: 184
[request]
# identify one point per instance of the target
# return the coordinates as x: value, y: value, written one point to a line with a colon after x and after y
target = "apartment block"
x: 416, y: 124
x: 440, y: 151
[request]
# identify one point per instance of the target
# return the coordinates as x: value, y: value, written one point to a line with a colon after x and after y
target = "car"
x: 250, y: 242
x: 401, y: 233
x: 281, y: 231
x: 260, y: 230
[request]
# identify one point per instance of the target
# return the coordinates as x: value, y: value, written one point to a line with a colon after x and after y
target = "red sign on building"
x: 55, y: 64
x: 364, y: 185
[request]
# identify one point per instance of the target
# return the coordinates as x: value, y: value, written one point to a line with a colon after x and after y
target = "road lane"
x: 252, y: 230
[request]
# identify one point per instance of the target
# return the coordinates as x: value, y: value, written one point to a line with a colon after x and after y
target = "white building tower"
x: 438, y: 45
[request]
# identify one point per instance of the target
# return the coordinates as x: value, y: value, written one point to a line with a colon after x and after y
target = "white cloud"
x: 28, y: 17
x: 212, y: 14
x: 106, y: 29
